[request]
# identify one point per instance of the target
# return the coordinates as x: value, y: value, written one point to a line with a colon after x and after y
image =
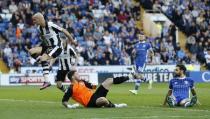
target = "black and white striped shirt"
x: 67, y: 58
x: 50, y: 35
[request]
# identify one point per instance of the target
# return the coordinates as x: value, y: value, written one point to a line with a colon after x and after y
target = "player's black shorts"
x: 100, y: 92
x: 61, y: 75
x: 51, y: 51
x: 44, y: 48
x: 55, y: 52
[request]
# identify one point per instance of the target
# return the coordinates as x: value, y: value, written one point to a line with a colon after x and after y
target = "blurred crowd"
x: 193, y: 18
x: 105, y: 30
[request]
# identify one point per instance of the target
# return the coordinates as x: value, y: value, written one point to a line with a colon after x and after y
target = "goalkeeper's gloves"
x: 194, y: 97
x: 193, y: 100
x: 73, y: 106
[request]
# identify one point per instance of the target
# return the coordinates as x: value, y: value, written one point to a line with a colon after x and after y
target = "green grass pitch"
x: 28, y: 102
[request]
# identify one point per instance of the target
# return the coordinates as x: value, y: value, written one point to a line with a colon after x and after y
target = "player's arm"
x: 167, y: 95
x: 60, y: 29
x: 151, y: 52
x: 169, y: 92
x: 193, y: 92
x: 69, y: 36
x: 193, y: 89
x: 89, y: 85
x: 66, y: 97
x: 194, y: 96
x: 74, y: 54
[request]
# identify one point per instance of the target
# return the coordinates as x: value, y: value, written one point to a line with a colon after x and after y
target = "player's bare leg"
x: 103, y: 101
x: 35, y: 53
x: 139, y: 79
x: 45, y: 66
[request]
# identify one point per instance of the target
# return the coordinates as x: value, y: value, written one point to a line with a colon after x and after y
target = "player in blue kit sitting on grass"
x: 179, y: 89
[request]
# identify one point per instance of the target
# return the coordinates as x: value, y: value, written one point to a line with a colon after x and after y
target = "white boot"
x: 120, y: 105
x: 134, y: 92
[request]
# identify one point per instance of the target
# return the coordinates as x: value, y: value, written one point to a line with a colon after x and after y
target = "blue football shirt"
x: 141, y: 49
x: 181, y: 87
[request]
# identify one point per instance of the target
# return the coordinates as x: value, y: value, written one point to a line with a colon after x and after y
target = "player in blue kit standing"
x: 140, y: 52
x: 179, y: 89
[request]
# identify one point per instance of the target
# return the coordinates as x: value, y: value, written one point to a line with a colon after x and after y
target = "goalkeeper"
x: 179, y: 86
x: 80, y: 91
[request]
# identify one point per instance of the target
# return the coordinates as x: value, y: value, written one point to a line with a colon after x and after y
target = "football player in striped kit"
x: 51, y: 46
x: 67, y: 62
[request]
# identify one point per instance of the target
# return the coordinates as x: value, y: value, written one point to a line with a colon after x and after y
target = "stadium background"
x: 105, y: 31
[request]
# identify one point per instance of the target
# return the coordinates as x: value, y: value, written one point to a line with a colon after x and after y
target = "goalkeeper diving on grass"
x: 179, y: 89
x: 81, y: 92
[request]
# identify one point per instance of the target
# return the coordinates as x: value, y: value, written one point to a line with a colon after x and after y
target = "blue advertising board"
x: 197, y: 76
x: 155, y: 76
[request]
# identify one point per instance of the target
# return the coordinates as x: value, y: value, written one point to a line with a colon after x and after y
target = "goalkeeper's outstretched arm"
x: 66, y: 97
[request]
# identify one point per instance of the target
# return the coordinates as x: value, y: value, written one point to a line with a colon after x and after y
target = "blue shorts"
x: 179, y: 99
x: 140, y: 67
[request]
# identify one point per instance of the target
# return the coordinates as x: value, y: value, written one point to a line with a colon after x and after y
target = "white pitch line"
x: 151, y: 107
x: 181, y: 109
x: 30, y: 101
x: 153, y: 117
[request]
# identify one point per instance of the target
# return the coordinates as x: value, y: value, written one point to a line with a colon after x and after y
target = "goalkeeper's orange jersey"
x: 81, y: 93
